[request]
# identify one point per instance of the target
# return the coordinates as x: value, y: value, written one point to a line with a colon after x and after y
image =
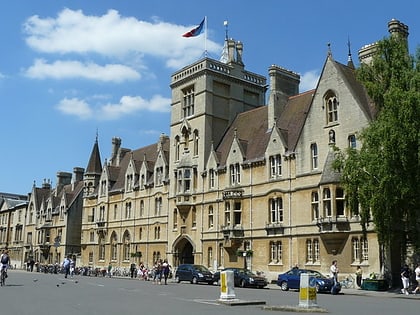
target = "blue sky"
x: 70, y: 69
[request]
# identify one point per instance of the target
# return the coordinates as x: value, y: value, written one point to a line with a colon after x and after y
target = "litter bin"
x: 374, y: 285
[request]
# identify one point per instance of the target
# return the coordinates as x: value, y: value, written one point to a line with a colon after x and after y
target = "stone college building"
x: 240, y: 181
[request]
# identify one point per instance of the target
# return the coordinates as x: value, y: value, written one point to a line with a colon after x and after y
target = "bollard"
x: 227, y: 285
x: 307, y: 291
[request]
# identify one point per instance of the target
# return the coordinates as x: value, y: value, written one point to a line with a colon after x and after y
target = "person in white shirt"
x: 417, y: 272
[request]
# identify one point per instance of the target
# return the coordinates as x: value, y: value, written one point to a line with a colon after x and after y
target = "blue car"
x: 291, y: 280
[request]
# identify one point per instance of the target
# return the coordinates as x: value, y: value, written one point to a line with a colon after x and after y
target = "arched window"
x: 114, y: 246
x: 331, y: 104
x: 126, y: 245
x: 101, y: 248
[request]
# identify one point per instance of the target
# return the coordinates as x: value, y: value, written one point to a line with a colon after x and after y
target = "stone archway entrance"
x: 184, y: 252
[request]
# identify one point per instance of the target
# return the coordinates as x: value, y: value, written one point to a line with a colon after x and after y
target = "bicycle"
x: 3, y: 277
x: 347, y: 283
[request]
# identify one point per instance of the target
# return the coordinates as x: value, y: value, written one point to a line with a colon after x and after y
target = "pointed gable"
x: 293, y: 118
x: 251, y: 128
x: 145, y: 156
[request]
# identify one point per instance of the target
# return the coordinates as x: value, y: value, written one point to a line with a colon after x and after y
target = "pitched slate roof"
x: 149, y: 152
x: 252, y: 127
x: 358, y: 90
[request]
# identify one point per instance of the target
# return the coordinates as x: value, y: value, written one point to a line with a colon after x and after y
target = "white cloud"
x: 75, y: 69
x: 113, y: 35
x: 126, y: 106
x: 131, y: 104
x: 309, y: 80
x: 75, y: 107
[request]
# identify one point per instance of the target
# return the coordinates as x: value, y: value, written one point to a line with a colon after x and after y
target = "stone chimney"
x: 116, y: 145
x: 46, y: 184
x: 231, y: 51
x: 239, y: 52
x: 283, y: 84
x: 78, y: 173
x: 63, y: 178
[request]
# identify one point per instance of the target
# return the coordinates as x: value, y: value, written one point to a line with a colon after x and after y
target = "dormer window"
x: 275, y: 166
x: 142, y: 181
x: 159, y: 176
x: 235, y: 174
x: 103, y: 188
x: 212, y: 178
x: 129, y: 182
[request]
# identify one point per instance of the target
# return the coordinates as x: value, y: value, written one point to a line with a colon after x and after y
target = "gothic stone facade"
x: 238, y: 182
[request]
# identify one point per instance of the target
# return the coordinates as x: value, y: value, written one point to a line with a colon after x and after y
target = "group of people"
x: 161, y: 270
x: 68, y: 266
x: 405, y: 279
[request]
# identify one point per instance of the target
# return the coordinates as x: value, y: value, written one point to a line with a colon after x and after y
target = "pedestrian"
x: 417, y: 272
x: 72, y: 267
x: 133, y: 270
x: 405, y: 278
x: 109, y: 269
x: 334, y: 277
x: 157, y: 272
x: 359, y: 274
x: 66, y: 266
x: 166, y: 269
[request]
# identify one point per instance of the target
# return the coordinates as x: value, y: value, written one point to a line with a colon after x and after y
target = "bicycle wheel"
x: 3, y: 277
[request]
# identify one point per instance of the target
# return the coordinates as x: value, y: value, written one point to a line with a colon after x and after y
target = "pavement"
x: 392, y: 293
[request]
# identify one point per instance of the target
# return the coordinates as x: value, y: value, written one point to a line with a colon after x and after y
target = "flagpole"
x: 205, y: 36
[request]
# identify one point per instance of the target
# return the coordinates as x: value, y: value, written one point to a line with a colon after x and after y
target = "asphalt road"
x: 36, y: 293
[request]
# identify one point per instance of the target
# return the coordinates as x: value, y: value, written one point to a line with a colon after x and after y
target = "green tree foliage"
x: 382, y: 180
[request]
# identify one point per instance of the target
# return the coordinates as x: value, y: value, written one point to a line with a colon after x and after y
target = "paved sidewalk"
x: 392, y: 293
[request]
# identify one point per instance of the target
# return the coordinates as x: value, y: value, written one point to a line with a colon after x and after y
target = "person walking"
x: 165, y: 270
x: 359, y: 274
x: 72, y: 267
x: 417, y: 272
x: 66, y: 266
x: 334, y: 276
x: 109, y: 269
x: 133, y: 270
x: 405, y: 278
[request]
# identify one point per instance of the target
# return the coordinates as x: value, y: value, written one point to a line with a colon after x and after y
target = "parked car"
x: 244, y: 278
x: 193, y: 273
x: 291, y: 280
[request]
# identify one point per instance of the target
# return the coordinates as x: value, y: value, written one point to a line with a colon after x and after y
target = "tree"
x: 382, y: 180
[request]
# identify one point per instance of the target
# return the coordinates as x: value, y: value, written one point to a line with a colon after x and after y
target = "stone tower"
x: 206, y: 97
x: 395, y: 28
